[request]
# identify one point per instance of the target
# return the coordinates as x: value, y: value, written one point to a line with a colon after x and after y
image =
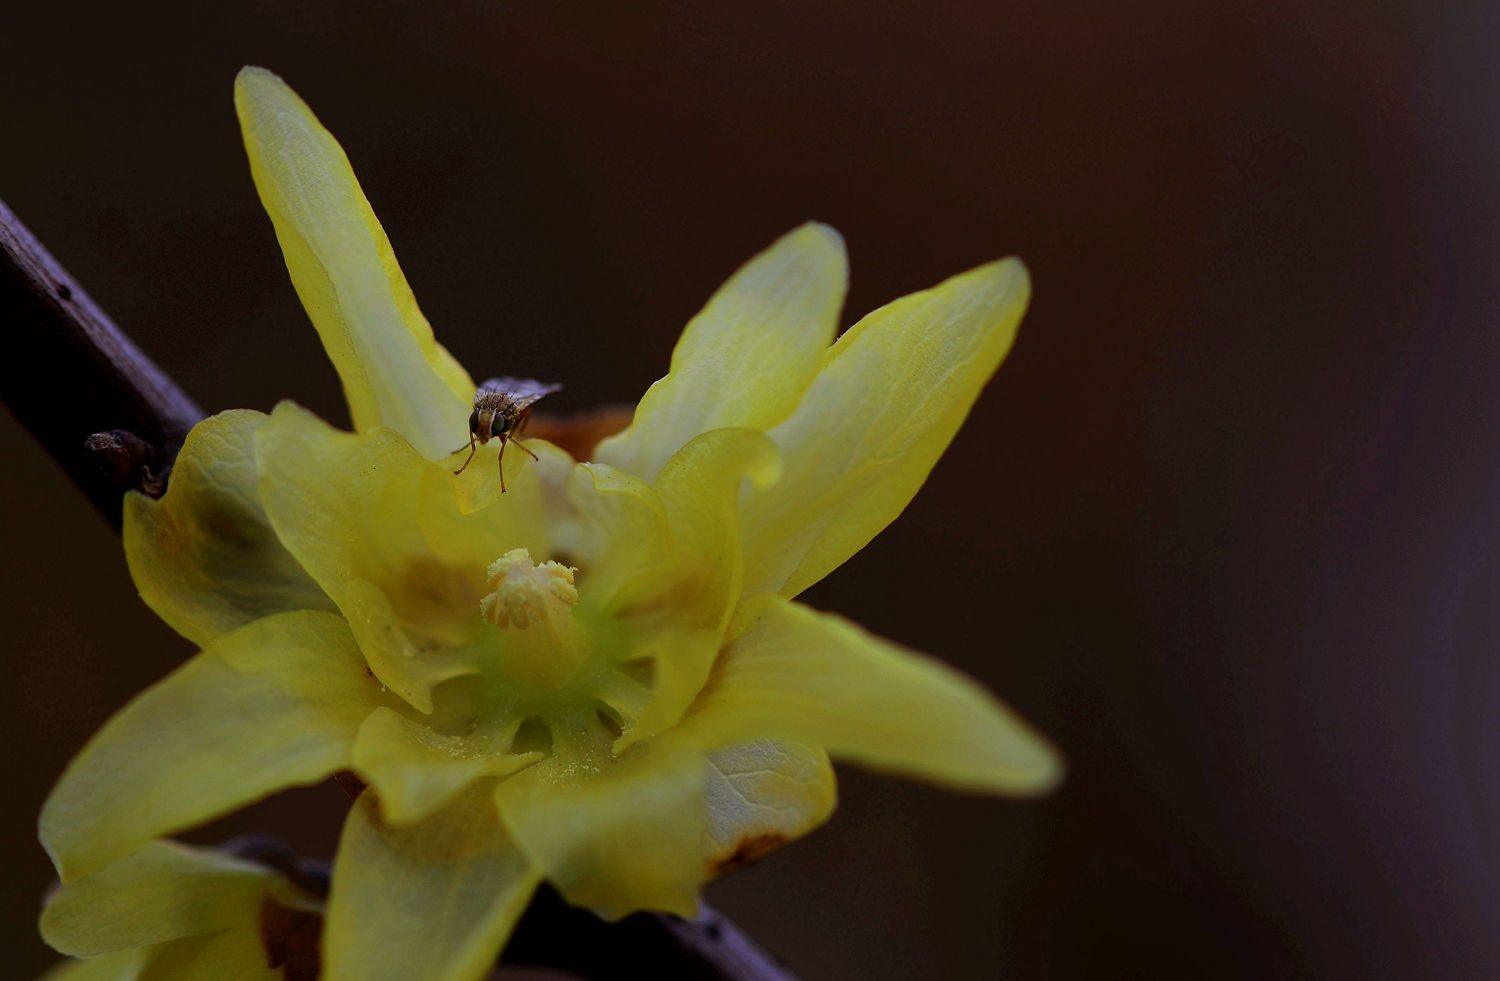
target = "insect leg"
x: 471, y: 455
x: 515, y: 431
x: 501, y: 462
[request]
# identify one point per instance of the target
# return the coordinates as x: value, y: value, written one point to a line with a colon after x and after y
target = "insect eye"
x: 499, y: 424
x: 474, y: 421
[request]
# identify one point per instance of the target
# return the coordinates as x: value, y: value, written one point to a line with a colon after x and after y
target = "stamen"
x: 524, y: 593
x: 533, y: 604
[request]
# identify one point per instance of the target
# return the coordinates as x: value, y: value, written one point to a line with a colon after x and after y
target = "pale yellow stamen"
x: 524, y: 593
x: 533, y: 605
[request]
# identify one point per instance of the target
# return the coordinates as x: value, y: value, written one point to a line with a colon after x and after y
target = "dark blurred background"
x: 1223, y: 525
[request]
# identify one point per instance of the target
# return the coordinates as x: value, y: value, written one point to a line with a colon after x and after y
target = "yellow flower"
x: 600, y: 677
x: 170, y: 911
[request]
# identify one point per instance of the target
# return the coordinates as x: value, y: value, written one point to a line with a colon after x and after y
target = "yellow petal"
x: 123, y: 965
x: 798, y: 674
x: 157, y: 893
x: 410, y: 663
x: 356, y: 511
x: 681, y: 661
x: 434, y: 900
x: 889, y: 398
x: 229, y: 955
x: 272, y: 705
x: 747, y: 356
x: 626, y: 839
x: 416, y: 771
x: 620, y: 535
x: 335, y: 498
x: 467, y: 530
x: 761, y: 795
x: 699, y: 490
x: 394, y: 373
x: 204, y: 556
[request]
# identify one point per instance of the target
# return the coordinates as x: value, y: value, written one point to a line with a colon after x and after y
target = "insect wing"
x: 521, y: 391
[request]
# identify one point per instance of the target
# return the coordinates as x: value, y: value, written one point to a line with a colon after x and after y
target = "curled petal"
x: 409, y: 667
x: 205, y: 556
x: 627, y: 839
x: 416, y: 771
x: 744, y: 360
x: 760, y: 795
x: 890, y: 396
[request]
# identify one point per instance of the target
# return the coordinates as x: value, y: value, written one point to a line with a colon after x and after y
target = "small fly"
x: 502, y: 407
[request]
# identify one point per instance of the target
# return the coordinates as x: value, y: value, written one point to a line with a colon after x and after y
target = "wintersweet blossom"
x: 600, y: 677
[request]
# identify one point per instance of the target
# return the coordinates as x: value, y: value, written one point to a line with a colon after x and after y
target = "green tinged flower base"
x: 599, y: 677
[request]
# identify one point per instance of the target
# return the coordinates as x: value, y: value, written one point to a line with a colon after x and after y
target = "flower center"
x: 532, y: 603
x: 524, y: 593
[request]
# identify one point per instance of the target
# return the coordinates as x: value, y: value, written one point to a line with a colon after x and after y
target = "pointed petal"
x: 204, y: 556
x: 747, y: 356
x: 889, y: 398
x: 761, y: 795
x: 434, y: 900
x: 798, y: 674
x: 157, y: 893
x: 626, y: 839
x: 394, y: 373
x: 416, y: 771
x: 272, y: 705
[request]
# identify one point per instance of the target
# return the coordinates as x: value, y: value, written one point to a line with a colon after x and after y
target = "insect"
x: 501, y: 408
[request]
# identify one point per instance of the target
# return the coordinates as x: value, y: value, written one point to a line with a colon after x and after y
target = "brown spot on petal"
x: 750, y: 848
x: 290, y: 939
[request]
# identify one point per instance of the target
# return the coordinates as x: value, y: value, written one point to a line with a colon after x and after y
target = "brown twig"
x: 109, y: 416
x: 114, y: 421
